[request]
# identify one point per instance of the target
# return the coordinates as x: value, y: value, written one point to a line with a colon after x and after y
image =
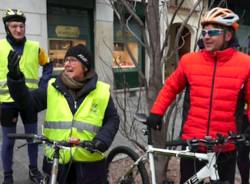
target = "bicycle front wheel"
x: 121, y: 168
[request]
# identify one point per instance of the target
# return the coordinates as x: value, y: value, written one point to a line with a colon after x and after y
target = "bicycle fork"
x: 54, y: 170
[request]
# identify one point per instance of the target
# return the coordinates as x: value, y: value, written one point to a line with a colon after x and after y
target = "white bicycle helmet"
x: 14, y: 15
x: 222, y: 16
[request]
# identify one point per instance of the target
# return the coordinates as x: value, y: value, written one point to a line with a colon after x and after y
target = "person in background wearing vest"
x: 31, y: 57
x: 78, y: 106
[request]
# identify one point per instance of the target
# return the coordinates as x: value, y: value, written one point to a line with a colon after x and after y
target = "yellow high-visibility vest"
x: 29, y: 65
x: 60, y: 124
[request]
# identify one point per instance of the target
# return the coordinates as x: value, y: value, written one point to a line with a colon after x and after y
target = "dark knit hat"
x: 82, y: 53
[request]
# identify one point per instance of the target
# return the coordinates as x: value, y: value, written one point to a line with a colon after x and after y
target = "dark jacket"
x: 37, y: 101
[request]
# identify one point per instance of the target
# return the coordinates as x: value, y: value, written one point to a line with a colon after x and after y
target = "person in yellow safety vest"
x: 31, y: 58
x: 78, y: 106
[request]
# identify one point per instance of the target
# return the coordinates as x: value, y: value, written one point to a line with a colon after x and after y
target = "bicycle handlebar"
x: 42, y: 139
x: 21, y: 136
x: 27, y: 137
x: 209, y: 141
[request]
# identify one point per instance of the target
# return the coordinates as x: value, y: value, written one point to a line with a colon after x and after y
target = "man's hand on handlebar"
x: 154, y: 121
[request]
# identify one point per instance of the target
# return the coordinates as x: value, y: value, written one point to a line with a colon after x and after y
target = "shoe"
x: 36, y: 176
x: 8, y: 178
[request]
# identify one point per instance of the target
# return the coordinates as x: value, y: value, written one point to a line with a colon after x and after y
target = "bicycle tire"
x: 118, y: 170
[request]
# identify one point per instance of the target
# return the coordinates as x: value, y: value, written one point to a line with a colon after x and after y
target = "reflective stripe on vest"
x: 60, y: 124
x: 80, y: 126
x: 29, y: 65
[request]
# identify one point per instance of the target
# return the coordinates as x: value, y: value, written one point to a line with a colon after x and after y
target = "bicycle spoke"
x: 121, y: 167
x: 121, y: 172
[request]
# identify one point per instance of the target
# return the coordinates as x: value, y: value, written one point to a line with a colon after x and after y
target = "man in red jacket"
x: 217, y: 82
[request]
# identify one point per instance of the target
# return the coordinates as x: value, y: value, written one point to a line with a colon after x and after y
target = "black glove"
x: 100, y: 145
x: 154, y: 121
x: 13, y: 65
x: 88, y: 145
x: 95, y: 145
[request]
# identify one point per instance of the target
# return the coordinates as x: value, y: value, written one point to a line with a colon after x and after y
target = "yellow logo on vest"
x: 94, y: 108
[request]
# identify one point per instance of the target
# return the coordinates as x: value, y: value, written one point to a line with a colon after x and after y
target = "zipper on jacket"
x: 211, y: 96
x: 75, y: 105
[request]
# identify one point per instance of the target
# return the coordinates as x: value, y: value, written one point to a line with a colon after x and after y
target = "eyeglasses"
x: 211, y: 32
x: 71, y: 60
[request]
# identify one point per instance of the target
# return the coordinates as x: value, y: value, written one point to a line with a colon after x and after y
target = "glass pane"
x: 121, y: 58
x: 58, y: 48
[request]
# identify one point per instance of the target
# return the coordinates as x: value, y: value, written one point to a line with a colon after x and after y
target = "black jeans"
x: 78, y: 172
x: 226, y: 163
x: 243, y: 160
x: 243, y: 163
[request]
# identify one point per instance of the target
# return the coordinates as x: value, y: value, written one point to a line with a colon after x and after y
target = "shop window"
x: 121, y: 57
x: 67, y: 27
x: 125, y: 69
x: 57, y: 50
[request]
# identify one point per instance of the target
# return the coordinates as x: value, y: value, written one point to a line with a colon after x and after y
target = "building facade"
x: 57, y: 25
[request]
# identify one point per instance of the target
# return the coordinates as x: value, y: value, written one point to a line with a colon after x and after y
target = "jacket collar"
x: 88, y: 87
x: 220, y: 56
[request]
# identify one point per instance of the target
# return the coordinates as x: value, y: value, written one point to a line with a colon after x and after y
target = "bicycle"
x: 57, y: 145
x: 136, y: 172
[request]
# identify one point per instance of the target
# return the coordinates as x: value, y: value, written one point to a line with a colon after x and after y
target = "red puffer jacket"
x: 215, y: 81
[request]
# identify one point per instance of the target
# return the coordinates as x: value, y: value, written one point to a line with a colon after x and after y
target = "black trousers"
x: 9, y: 115
x: 243, y: 163
x: 78, y: 172
x: 243, y: 160
x: 226, y: 163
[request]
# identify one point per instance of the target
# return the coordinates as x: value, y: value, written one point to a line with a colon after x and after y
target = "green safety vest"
x: 29, y: 65
x: 60, y: 124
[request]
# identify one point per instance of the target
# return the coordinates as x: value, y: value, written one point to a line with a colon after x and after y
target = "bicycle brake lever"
x: 33, y: 142
x: 22, y: 145
x: 247, y: 143
x: 193, y: 145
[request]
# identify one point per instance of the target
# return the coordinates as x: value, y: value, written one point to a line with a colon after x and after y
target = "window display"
x: 128, y: 53
x: 58, y: 49
x: 121, y: 57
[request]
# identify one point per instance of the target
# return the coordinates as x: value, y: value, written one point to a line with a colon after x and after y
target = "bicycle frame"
x: 55, y: 161
x: 55, y: 165
x: 57, y: 145
x: 209, y: 170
